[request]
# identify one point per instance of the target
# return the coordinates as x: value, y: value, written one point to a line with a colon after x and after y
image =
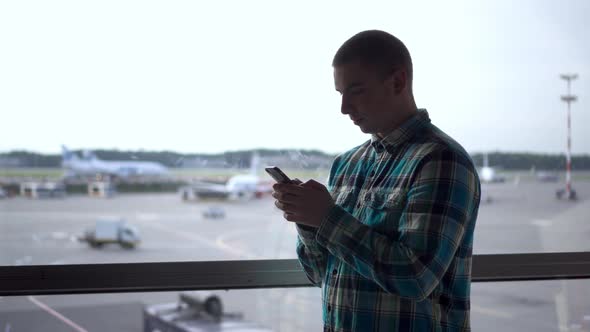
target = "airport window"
x: 531, y: 306
x: 508, y: 306
x: 260, y: 310
x: 138, y: 132
x: 181, y: 163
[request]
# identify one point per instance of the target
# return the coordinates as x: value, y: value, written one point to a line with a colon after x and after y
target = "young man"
x: 390, y: 243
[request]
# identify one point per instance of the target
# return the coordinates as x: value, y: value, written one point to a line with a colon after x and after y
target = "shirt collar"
x: 401, y: 134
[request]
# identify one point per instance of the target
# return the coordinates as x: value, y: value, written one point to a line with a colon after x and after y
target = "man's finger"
x: 292, y: 217
x: 285, y: 198
x: 286, y: 207
x: 290, y: 208
x: 292, y: 189
x: 280, y: 205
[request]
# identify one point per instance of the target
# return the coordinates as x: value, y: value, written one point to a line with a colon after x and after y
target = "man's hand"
x: 305, y: 203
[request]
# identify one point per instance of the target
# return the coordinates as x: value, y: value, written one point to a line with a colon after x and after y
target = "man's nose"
x: 344, y: 106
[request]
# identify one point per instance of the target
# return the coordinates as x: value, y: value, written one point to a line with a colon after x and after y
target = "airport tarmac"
x: 522, y: 217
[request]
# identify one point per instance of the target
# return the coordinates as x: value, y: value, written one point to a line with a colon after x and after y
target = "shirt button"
x: 334, y: 272
x: 329, y: 308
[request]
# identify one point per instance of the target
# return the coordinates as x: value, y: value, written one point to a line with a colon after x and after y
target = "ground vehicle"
x: 214, y: 212
x: 547, y: 176
x: 43, y: 189
x: 562, y: 193
x: 111, y: 231
x: 195, y: 312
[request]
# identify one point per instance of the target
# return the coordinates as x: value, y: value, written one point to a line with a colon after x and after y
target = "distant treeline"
x: 241, y: 159
x: 527, y: 161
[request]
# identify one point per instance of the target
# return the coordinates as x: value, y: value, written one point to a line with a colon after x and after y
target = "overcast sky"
x: 196, y: 76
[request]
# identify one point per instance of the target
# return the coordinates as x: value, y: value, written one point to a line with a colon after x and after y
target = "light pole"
x: 569, y: 99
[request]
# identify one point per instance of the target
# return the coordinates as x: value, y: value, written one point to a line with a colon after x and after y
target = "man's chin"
x: 365, y: 129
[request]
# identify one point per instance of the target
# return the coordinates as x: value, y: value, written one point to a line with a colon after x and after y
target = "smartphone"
x: 277, y: 174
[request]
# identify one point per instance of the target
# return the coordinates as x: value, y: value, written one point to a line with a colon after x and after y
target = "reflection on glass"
x: 561, y: 305
x: 263, y: 310
x: 503, y: 306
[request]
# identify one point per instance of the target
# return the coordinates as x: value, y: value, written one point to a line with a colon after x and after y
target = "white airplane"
x: 241, y: 186
x: 488, y: 174
x: 90, y: 165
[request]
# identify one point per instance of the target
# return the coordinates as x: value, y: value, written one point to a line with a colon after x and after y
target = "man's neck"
x: 407, y: 114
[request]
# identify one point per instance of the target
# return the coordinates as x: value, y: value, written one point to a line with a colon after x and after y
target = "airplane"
x: 240, y: 186
x: 488, y: 174
x: 90, y: 165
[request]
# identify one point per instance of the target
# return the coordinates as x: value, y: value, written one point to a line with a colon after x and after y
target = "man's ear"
x: 399, y: 80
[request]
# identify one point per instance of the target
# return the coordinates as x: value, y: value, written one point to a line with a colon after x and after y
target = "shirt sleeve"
x: 411, y: 260
x: 312, y: 256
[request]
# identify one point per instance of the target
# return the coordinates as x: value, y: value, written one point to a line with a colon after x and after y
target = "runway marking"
x: 52, y: 214
x: 58, y: 235
x: 542, y: 222
x: 57, y: 314
x: 491, y: 312
x: 26, y: 260
x: 203, y: 240
x: 147, y: 216
x: 220, y: 242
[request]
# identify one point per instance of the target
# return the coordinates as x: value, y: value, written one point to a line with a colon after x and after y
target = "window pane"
x: 503, y: 306
x: 296, y: 309
x: 47, y: 231
x: 526, y: 217
x: 560, y: 305
x: 169, y: 112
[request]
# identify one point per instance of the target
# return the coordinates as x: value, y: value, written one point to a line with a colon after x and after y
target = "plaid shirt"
x: 394, y: 254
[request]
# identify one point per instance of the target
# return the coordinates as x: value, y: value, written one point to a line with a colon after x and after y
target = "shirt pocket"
x: 346, y: 199
x: 382, y: 209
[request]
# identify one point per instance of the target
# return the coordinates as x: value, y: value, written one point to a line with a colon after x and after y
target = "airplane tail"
x: 254, y: 163
x: 485, y: 160
x: 67, y: 155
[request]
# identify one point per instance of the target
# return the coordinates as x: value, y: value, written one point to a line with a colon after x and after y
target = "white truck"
x: 107, y: 231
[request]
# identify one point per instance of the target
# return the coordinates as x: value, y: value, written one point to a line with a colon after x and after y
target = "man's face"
x: 369, y: 99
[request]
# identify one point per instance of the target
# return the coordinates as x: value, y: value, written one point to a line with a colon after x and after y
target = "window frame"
x: 244, y: 274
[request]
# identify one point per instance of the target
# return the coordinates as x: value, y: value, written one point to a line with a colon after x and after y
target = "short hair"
x: 375, y: 48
